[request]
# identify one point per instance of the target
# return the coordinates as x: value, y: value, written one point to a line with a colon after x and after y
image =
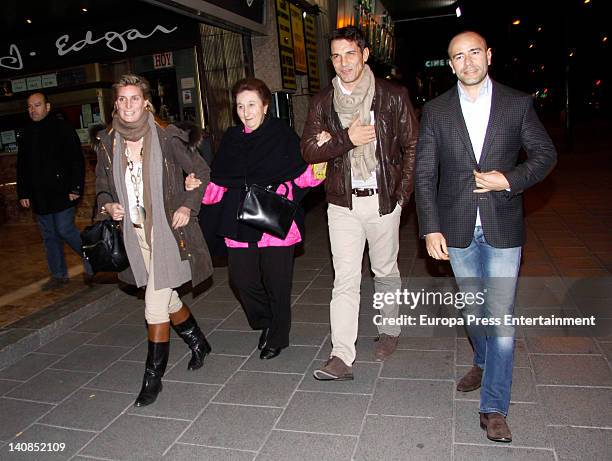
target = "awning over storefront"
x: 246, y: 14
x: 92, y: 36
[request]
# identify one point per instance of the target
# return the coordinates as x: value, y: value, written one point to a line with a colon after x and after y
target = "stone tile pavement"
x: 79, y: 388
x: 76, y: 390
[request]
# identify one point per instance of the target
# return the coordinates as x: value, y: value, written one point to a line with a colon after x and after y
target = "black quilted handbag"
x: 267, y: 211
x: 102, y: 244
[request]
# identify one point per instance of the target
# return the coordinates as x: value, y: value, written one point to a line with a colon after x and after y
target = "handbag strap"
x: 286, y: 194
x: 246, y: 165
x: 95, y: 205
x: 271, y: 187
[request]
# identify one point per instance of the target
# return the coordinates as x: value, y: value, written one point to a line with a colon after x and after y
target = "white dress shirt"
x: 476, y: 115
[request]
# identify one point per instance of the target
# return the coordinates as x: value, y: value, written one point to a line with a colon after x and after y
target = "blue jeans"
x: 494, y: 273
x: 57, y: 228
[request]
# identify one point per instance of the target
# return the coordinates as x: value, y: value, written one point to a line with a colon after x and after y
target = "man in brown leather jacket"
x: 365, y: 129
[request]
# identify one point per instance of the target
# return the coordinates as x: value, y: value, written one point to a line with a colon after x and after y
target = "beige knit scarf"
x: 351, y: 106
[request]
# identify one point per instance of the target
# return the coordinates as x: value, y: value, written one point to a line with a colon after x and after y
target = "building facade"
x: 191, y: 51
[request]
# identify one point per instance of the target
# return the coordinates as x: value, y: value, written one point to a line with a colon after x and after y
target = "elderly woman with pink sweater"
x: 264, y: 151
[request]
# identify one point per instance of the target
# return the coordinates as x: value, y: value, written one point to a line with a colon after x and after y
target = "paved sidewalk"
x: 78, y: 389
x: 23, y: 271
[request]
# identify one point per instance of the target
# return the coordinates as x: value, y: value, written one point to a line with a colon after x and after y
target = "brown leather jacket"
x: 396, y: 136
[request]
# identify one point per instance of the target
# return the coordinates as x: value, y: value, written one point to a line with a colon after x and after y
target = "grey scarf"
x: 350, y: 106
x: 170, y: 270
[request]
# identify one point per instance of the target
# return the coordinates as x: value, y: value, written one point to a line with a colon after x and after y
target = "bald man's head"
x: 470, y: 57
x: 463, y: 35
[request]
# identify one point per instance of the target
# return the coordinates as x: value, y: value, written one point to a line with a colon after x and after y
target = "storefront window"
x: 223, y: 57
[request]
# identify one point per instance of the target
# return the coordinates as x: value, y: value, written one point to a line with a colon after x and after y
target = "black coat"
x: 270, y: 155
x: 444, y: 154
x: 50, y: 165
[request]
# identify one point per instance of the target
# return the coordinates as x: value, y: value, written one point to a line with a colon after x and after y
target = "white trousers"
x: 159, y: 304
x: 348, y: 232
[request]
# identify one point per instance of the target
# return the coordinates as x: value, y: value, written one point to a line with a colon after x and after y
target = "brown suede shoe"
x: 471, y: 381
x: 385, y: 346
x: 334, y: 370
x: 496, y: 427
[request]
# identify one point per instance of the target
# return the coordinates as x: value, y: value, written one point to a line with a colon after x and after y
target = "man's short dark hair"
x: 44, y: 96
x: 350, y: 33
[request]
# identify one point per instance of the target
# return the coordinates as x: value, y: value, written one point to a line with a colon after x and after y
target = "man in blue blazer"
x: 469, y: 187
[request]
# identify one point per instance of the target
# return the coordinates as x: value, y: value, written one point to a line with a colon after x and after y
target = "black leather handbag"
x: 102, y: 244
x: 267, y: 211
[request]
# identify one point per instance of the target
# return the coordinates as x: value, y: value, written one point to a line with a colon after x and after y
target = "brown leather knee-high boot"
x: 187, y: 328
x: 155, y: 367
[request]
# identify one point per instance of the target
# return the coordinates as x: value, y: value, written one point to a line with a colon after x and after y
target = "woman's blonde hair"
x: 138, y: 81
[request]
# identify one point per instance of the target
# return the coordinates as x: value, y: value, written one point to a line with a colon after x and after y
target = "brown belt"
x: 364, y: 192
x: 137, y: 226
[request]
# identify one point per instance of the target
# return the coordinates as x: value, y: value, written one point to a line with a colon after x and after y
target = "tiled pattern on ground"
x: 23, y: 263
x: 79, y: 389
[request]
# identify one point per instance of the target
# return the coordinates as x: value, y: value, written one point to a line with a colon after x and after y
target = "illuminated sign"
x: 437, y: 63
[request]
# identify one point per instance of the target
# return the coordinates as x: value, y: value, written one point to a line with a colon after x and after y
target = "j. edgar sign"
x: 95, y: 44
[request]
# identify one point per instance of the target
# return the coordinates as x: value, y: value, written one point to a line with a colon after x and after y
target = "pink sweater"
x: 214, y: 194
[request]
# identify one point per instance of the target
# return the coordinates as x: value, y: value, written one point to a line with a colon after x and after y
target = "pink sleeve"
x: 293, y: 237
x: 235, y: 243
x: 213, y: 194
x: 307, y: 179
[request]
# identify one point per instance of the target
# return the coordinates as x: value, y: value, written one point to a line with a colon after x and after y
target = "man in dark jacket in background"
x: 365, y: 129
x: 50, y: 176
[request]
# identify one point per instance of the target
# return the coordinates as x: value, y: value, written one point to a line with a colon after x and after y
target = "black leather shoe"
x: 190, y: 332
x: 269, y: 352
x: 263, y: 339
x: 155, y: 367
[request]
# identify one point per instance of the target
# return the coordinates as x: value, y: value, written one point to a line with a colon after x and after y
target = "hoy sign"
x: 163, y: 60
